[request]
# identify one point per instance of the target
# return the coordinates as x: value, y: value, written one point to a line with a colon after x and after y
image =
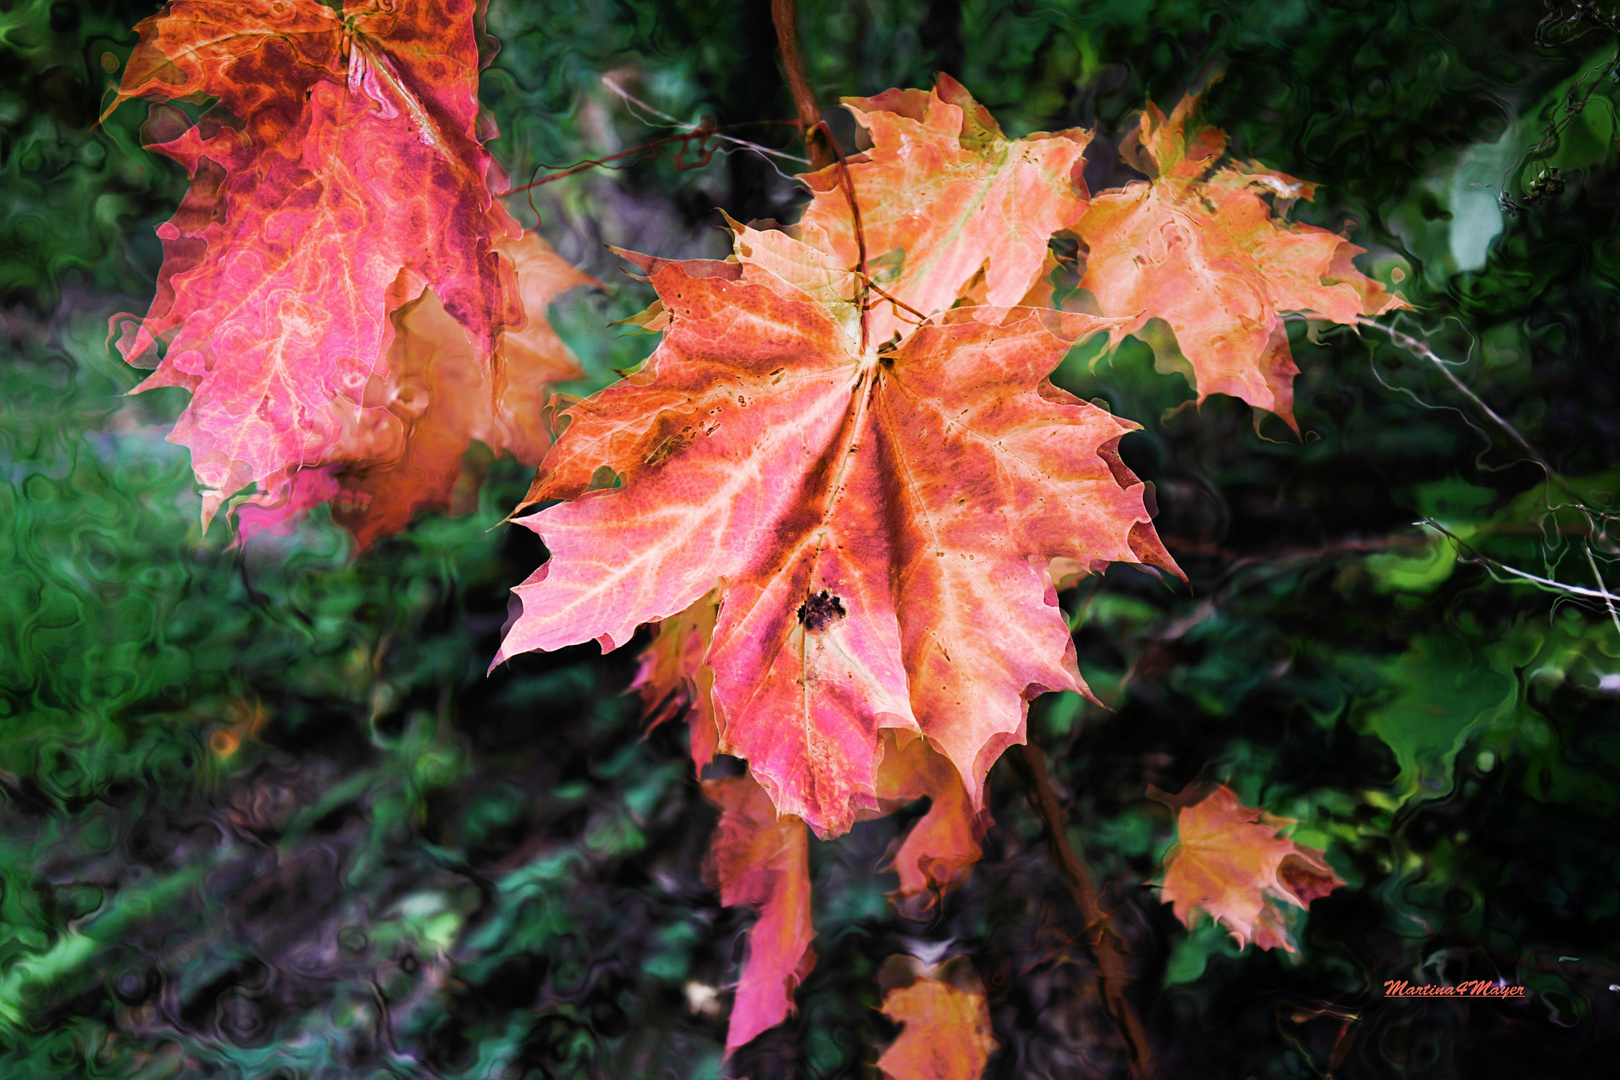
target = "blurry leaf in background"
x: 1232, y: 863
x: 283, y: 271
x: 945, y: 1021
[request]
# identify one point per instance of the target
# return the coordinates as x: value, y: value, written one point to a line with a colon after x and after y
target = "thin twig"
x: 1495, y: 564
x: 1419, y: 348
x: 1413, y: 345
x: 847, y: 184
x: 817, y: 139
x: 1608, y: 601
x: 716, y: 132
x: 870, y: 284
x: 1112, y: 976
x: 700, y: 135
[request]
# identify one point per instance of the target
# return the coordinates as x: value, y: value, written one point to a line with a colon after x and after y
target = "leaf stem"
x: 1112, y: 977
x: 817, y: 139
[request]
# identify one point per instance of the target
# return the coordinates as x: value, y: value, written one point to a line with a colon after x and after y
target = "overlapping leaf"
x: 403, y: 450
x: 1202, y: 249
x: 942, y: 196
x: 762, y: 859
x: 941, y: 848
x: 1231, y: 863
x: 340, y: 174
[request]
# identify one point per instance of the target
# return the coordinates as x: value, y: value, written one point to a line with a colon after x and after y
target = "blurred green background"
x: 263, y: 815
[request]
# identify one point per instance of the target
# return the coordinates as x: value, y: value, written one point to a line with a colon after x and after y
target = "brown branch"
x: 1111, y: 974
x: 847, y: 185
x: 817, y: 140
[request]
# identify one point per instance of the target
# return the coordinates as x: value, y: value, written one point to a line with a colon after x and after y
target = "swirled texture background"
x: 262, y: 814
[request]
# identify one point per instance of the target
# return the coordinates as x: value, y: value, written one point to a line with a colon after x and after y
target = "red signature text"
x: 1474, y: 988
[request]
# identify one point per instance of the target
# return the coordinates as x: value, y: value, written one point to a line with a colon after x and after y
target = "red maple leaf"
x: 762, y: 859
x: 881, y: 525
x: 340, y: 174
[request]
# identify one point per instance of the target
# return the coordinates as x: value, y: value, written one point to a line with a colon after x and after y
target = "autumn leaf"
x: 881, y: 525
x: 1231, y: 862
x: 339, y: 175
x: 946, y: 1022
x: 402, y: 451
x: 673, y: 679
x: 944, y: 195
x: 942, y: 846
x: 762, y: 859
x: 1201, y: 248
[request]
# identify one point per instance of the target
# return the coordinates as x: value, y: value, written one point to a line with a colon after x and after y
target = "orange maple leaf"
x: 1200, y: 248
x: 944, y: 195
x: 762, y: 859
x: 1230, y: 862
x: 881, y: 525
x: 340, y: 174
x: 946, y: 1022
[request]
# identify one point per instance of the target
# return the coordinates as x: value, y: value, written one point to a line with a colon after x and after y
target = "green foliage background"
x: 263, y: 814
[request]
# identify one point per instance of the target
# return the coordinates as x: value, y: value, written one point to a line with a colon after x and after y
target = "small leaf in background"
x: 945, y: 1017
x: 1202, y: 249
x: 1443, y: 689
x: 1231, y: 863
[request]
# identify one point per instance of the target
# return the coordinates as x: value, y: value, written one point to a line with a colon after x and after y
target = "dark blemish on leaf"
x: 820, y: 611
x: 680, y: 440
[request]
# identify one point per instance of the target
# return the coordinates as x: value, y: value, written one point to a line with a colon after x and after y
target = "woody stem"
x: 1111, y: 974
x: 816, y: 138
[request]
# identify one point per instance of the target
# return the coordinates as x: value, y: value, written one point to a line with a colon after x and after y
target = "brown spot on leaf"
x: 820, y: 610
